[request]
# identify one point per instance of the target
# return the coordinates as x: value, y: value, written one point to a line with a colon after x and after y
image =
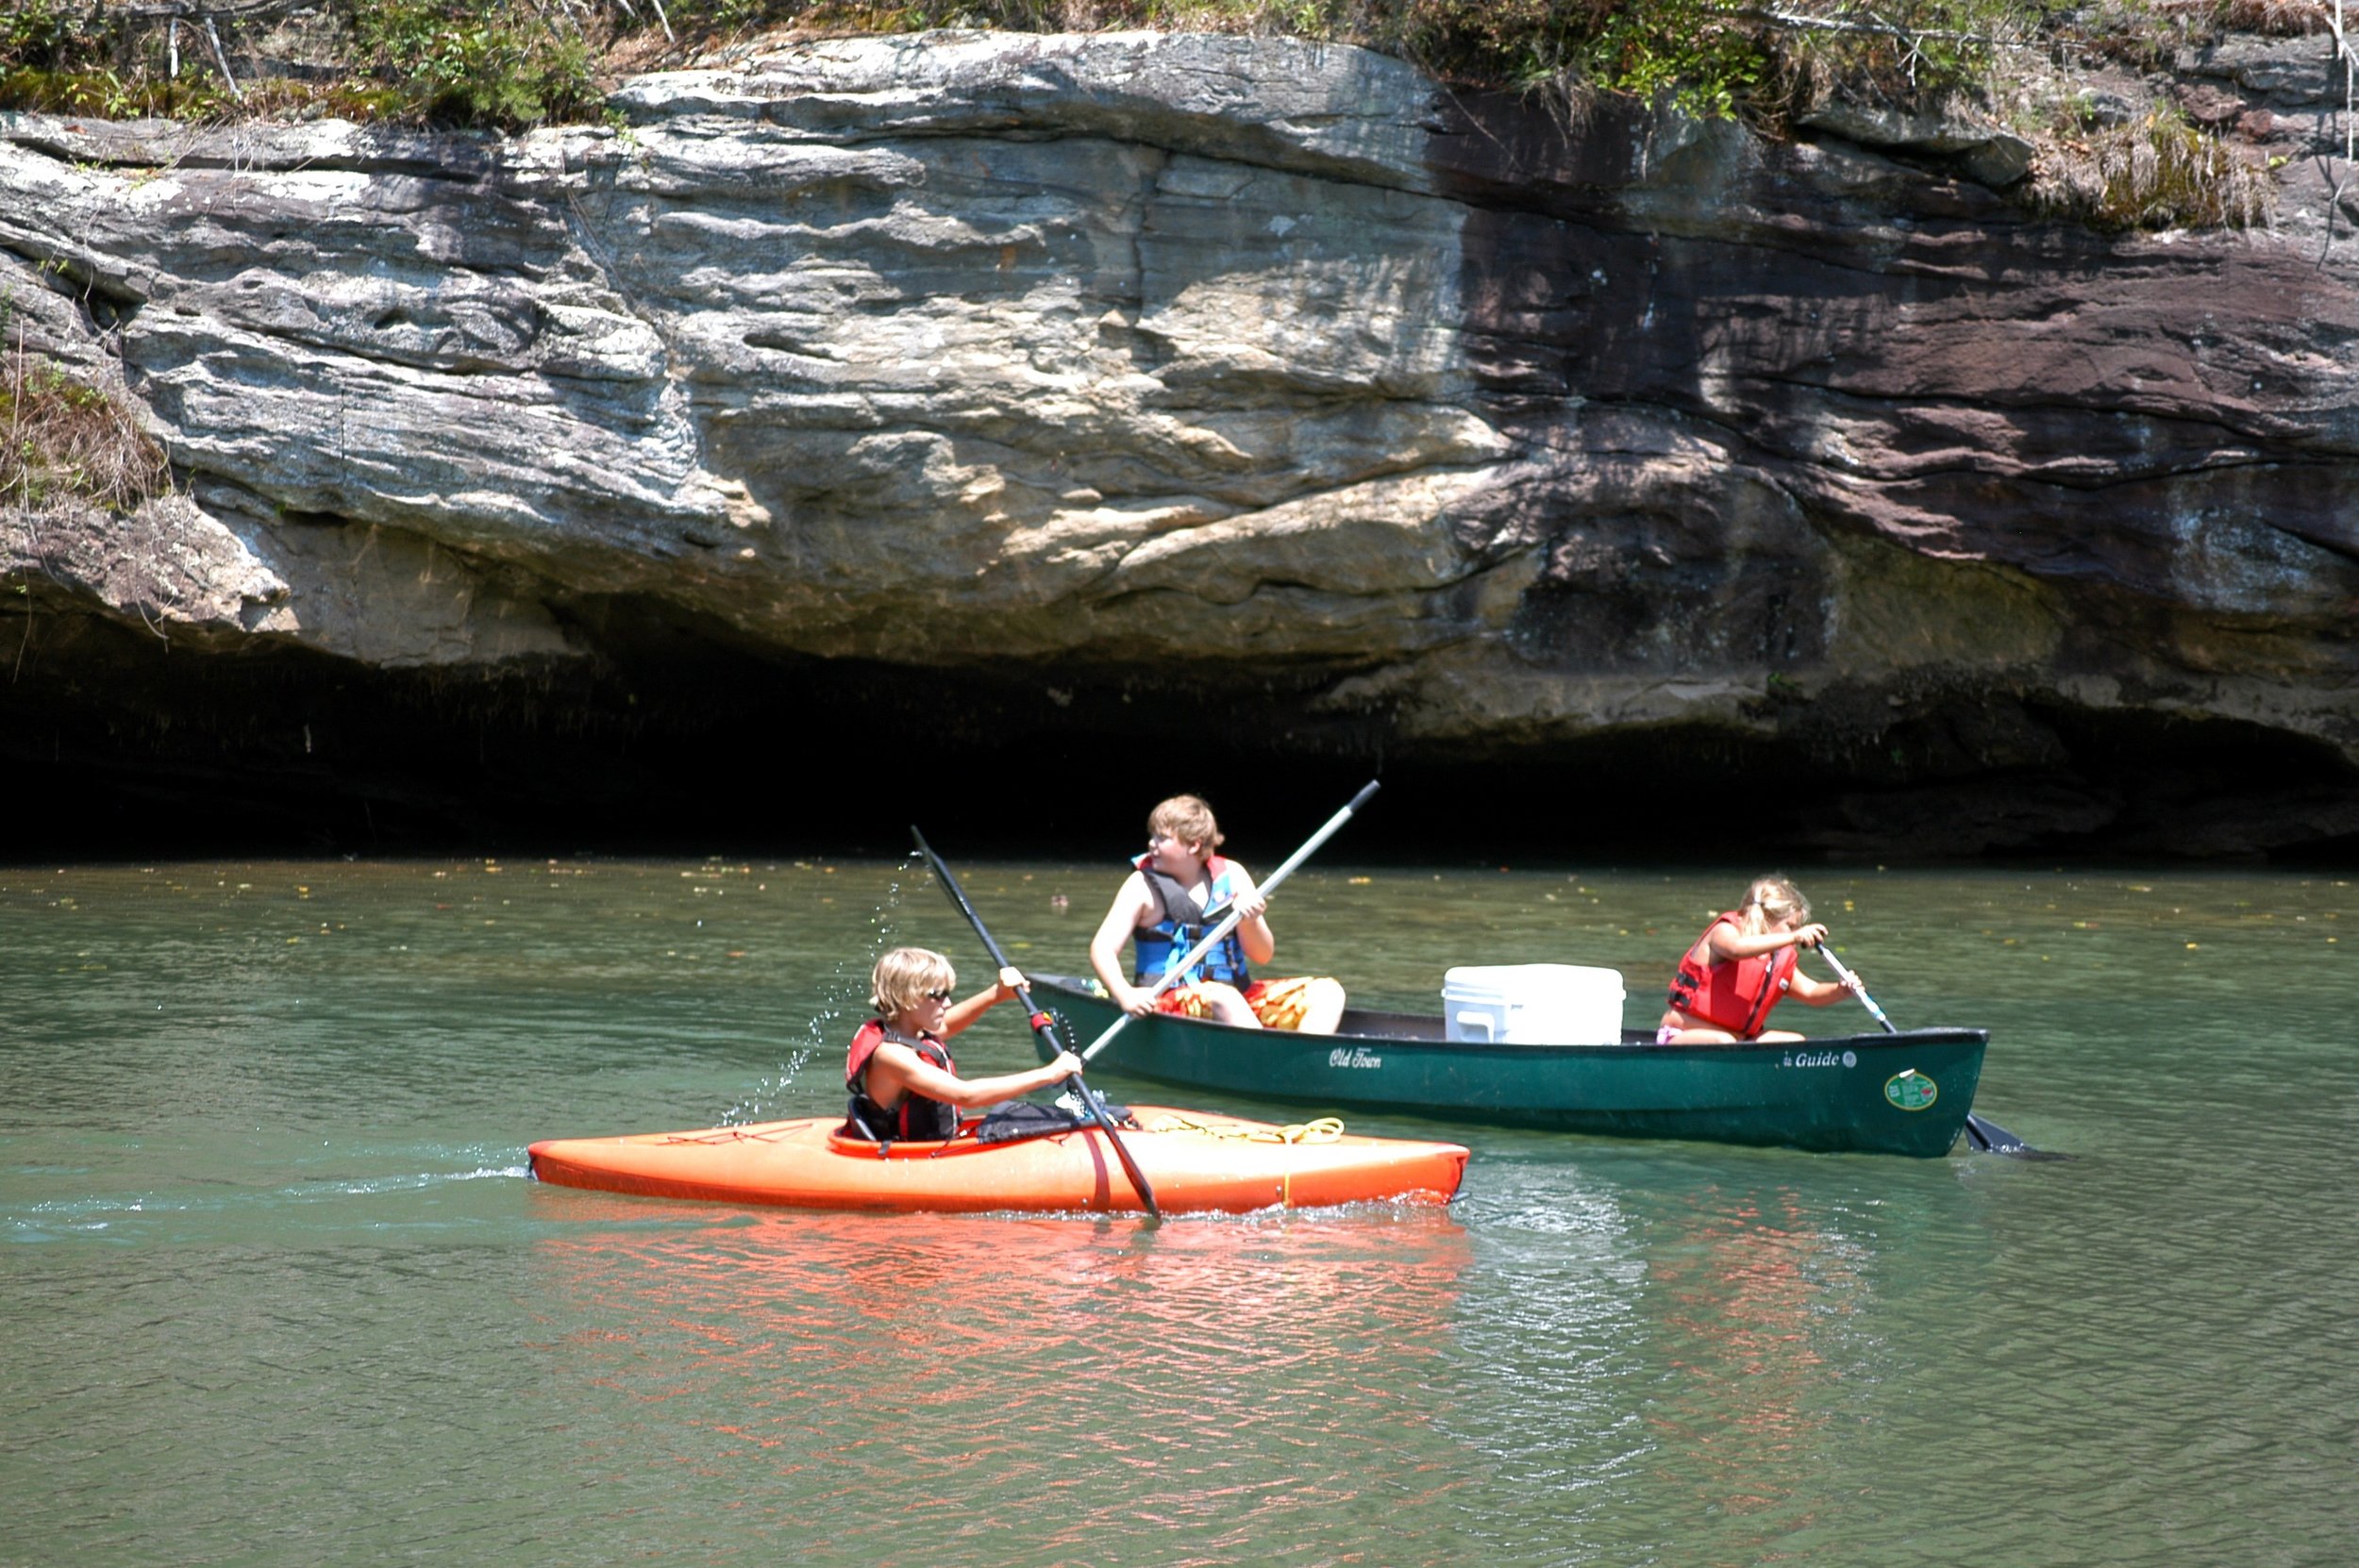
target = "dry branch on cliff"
x: 60, y: 436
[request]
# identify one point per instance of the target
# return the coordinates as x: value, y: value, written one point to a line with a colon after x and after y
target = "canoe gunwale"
x: 1631, y: 1040
x: 1903, y: 1093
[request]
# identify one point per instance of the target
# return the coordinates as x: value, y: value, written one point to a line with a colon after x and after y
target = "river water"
x: 278, y: 1289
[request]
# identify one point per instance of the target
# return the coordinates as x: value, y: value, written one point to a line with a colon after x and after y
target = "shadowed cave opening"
x: 115, y: 745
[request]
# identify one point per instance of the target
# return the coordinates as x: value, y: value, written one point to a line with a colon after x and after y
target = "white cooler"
x: 1533, y: 1004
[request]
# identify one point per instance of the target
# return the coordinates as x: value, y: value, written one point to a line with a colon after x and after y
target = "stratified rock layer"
x: 1257, y: 381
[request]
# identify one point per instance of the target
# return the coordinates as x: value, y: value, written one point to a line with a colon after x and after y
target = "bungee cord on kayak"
x: 1319, y: 1129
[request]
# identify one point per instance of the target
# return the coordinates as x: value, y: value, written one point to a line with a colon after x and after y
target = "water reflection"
x: 1746, y: 1306
x: 1244, y: 1378
x: 280, y: 1298
x: 1693, y: 1347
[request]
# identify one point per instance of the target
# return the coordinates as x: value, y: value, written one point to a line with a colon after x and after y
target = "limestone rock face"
x: 1043, y: 362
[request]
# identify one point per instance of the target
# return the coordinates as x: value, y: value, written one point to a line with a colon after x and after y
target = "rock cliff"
x: 1115, y: 391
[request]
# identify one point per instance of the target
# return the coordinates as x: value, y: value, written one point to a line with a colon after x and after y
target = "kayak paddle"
x: 1985, y: 1136
x: 1230, y: 922
x: 1042, y: 1025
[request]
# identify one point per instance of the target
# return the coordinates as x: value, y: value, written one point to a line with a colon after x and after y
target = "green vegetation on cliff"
x: 512, y: 64
x: 63, y: 438
x: 503, y: 65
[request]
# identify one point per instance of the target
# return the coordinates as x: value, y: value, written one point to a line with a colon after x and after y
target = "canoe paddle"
x: 1043, y: 1025
x: 1230, y: 922
x: 1985, y: 1136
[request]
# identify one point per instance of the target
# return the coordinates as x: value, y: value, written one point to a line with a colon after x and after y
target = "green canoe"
x: 1879, y: 1094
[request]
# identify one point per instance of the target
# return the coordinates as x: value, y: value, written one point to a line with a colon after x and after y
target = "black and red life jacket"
x: 915, y: 1117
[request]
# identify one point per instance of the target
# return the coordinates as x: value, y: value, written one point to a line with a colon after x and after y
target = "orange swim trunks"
x: 1279, y: 1004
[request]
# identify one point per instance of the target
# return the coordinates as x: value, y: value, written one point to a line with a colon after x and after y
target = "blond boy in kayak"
x: 1175, y: 894
x: 1742, y: 966
x: 899, y: 1072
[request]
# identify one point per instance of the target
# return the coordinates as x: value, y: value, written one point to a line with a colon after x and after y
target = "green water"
x: 278, y: 1289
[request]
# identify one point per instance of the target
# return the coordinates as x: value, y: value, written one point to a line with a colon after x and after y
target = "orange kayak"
x: 1195, y: 1160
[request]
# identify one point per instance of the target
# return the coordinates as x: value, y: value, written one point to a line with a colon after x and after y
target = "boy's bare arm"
x: 913, y: 1074
x: 1131, y: 904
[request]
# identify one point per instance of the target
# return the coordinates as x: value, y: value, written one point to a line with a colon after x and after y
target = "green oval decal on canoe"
x: 1911, y: 1090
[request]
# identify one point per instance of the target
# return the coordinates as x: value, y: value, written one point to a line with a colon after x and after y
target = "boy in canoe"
x: 1175, y: 894
x: 899, y: 1072
x: 1742, y: 966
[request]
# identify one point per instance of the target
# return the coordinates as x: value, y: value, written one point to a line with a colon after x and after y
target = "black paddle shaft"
x: 1043, y: 1025
x: 1985, y: 1136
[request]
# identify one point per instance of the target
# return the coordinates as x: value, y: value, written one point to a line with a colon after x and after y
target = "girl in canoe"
x: 899, y: 1072
x: 1742, y: 966
x: 1175, y: 894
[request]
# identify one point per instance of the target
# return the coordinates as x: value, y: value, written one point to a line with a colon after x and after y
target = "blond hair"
x: 1777, y: 898
x: 1187, y: 819
x: 902, y: 978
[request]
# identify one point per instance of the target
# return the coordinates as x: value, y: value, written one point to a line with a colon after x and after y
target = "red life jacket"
x: 1734, y: 995
x: 915, y: 1117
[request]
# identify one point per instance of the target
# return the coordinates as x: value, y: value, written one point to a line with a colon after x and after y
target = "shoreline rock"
x: 1034, y: 362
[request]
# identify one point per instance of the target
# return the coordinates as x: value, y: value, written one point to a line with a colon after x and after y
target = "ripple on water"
x: 292, y: 1301
x: 1245, y: 1376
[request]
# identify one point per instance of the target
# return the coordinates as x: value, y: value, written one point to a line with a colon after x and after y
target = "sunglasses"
x: 942, y: 995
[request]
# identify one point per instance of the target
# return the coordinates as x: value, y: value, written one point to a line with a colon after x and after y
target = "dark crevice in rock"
x: 112, y: 745
x: 1833, y: 396
x: 105, y: 302
x: 461, y: 157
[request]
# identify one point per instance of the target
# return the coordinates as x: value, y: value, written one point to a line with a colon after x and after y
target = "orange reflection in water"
x: 1012, y: 1284
x: 1752, y: 1296
x: 1182, y: 1369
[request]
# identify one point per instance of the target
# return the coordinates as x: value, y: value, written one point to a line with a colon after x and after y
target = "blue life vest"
x: 1180, y: 926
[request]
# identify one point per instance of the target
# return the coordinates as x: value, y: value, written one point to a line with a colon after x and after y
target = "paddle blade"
x: 1988, y: 1137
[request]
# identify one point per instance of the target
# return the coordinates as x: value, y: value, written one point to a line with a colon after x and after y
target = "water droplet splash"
x: 847, y: 994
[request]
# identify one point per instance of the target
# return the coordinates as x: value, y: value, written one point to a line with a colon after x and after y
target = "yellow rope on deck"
x: 1321, y: 1129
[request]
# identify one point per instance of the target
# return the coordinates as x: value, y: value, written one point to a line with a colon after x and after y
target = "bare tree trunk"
x: 221, y: 58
